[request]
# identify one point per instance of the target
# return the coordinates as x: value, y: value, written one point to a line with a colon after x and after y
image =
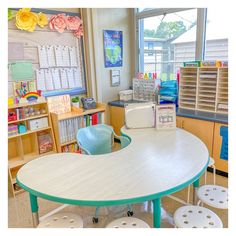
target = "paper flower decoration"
x: 58, y: 22
x: 10, y: 14
x: 42, y: 19
x: 79, y: 32
x: 26, y: 20
x: 73, y: 23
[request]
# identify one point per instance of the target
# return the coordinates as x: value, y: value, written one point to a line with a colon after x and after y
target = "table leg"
x: 34, y: 209
x: 195, y: 187
x: 157, y: 213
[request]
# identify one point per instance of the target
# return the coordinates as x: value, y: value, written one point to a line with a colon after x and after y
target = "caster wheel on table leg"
x: 95, y: 220
x: 130, y: 213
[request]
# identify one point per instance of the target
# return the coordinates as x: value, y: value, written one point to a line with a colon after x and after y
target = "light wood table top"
x: 155, y: 164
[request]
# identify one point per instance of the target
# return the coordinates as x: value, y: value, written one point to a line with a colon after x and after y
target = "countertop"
x: 201, y: 115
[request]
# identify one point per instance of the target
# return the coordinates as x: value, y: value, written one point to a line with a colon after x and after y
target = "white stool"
x: 210, y: 164
x: 62, y: 220
x: 127, y: 222
x: 196, y: 217
x: 213, y: 195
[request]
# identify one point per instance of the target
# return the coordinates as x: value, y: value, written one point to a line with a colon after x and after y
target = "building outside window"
x: 162, y: 30
x: 174, y: 40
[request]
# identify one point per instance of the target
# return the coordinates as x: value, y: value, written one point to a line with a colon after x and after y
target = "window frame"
x: 200, y: 32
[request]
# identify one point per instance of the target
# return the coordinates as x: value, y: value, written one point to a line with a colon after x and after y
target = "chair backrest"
x: 224, y: 146
x: 96, y: 139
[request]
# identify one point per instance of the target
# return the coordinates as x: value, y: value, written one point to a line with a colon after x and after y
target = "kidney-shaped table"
x: 155, y: 164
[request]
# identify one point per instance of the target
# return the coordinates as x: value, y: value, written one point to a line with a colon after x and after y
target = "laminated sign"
x: 21, y: 70
x: 165, y: 116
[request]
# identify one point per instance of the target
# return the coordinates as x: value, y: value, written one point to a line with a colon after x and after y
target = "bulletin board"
x: 24, y: 46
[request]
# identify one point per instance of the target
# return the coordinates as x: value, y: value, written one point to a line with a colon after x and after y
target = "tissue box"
x: 126, y: 95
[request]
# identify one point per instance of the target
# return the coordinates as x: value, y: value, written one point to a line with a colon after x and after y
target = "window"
x: 166, y: 40
x: 150, y: 48
x: 216, y: 46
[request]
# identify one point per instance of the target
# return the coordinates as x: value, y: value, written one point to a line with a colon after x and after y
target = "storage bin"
x: 38, y: 123
x: 126, y: 95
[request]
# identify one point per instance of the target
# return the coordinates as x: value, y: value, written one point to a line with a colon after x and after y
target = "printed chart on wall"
x: 113, y: 48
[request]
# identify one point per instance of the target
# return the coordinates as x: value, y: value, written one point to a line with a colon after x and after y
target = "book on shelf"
x: 71, y: 148
x: 93, y: 119
x: 68, y: 129
x: 45, y: 142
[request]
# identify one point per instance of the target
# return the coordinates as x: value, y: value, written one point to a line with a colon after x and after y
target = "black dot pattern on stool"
x: 128, y: 222
x: 62, y: 220
x: 213, y: 195
x: 196, y: 217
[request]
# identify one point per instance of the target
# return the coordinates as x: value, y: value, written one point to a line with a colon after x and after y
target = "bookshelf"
x: 222, y: 91
x: 204, y: 89
x: 66, y: 125
x: 188, y: 87
x: 35, y: 141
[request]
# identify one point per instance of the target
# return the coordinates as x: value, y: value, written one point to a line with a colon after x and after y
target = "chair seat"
x: 128, y: 222
x: 62, y: 220
x: 211, y: 161
x: 196, y: 217
x: 214, y: 195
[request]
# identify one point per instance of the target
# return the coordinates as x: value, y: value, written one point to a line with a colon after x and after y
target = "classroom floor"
x: 19, y: 214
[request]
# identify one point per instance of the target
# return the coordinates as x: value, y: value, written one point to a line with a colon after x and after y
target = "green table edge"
x: 114, y: 202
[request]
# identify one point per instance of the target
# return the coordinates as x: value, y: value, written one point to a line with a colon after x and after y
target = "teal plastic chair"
x: 99, y: 139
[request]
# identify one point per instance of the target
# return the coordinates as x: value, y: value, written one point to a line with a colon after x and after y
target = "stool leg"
x: 34, y: 209
x: 188, y: 196
x: 157, y: 213
x: 214, y: 174
x: 195, y: 187
x: 205, y: 176
x: 97, y: 212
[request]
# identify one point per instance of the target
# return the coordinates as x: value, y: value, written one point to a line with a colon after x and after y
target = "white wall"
x: 113, y: 19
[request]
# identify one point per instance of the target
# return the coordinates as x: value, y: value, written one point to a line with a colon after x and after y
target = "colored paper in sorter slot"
x: 40, y: 78
x: 56, y: 78
x: 43, y: 59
